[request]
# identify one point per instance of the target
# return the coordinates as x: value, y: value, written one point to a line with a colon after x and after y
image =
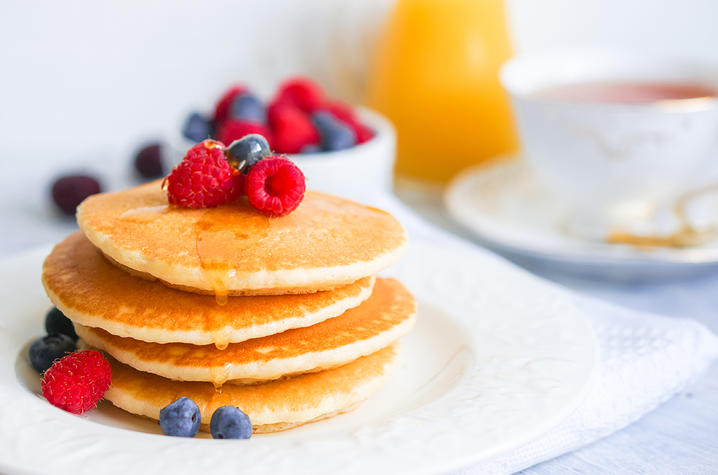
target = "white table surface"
x: 681, y: 436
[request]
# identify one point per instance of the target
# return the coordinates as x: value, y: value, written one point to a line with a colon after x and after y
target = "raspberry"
x: 341, y: 111
x: 234, y: 129
x: 302, y: 93
x: 345, y: 113
x: 274, y: 110
x: 275, y: 186
x: 204, y: 178
x: 221, y: 110
x: 292, y: 129
x: 77, y: 382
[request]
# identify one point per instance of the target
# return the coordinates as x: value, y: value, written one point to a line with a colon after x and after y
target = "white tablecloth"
x: 644, y: 360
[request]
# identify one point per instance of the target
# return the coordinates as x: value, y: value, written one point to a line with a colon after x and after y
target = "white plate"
x: 496, y: 359
x: 506, y: 207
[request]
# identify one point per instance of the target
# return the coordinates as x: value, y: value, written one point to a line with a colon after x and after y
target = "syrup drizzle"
x: 219, y: 375
x: 144, y: 214
x: 221, y: 233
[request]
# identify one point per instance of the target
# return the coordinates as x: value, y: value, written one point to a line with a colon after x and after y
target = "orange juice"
x: 435, y: 75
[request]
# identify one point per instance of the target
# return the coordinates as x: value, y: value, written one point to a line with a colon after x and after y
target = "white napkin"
x: 644, y: 360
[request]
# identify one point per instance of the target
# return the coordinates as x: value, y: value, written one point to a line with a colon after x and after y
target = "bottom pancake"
x: 272, y: 406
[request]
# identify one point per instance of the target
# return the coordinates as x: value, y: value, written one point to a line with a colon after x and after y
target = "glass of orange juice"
x: 435, y: 75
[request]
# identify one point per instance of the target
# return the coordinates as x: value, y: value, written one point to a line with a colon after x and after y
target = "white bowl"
x: 356, y: 172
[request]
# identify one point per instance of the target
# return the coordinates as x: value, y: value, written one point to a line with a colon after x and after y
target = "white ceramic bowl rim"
x: 380, y: 125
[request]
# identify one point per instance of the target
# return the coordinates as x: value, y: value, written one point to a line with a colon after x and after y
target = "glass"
x: 435, y: 75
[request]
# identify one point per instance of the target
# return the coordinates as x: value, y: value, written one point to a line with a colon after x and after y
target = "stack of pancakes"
x: 281, y: 317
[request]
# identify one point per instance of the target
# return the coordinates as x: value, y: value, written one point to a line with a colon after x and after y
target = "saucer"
x: 508, y: 210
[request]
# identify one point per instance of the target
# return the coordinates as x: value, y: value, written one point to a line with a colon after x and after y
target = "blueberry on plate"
x: 181, y: 418
x: 333, y: 133
x: 228, y: 422
x: 68, y: 191
x: 148, y: 161
x: 57, y: 322
x: 248, y: 107
x: 242, y: 154
x: 44, y: 351
x: 197, y: 127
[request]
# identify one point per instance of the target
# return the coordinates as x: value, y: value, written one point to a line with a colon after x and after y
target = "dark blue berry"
x: 242, y: 154
x: 197, y: 127
x: 181, y: 418
x: 44, y: 351
x: 69, y: 191
x: 148, y: 161
x: 57, y: 322
x: 333, y: 133
x: 228, y: 422
x: 248, y: 107
x: 311, y: 148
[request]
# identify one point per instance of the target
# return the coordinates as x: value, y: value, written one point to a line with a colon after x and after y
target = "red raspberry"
x: 345, y: 113
x: 77, y: 381
x: 302, y: 93
x: 342, y: 111
x: 292, y: 129
x: 204, y: 178
x: 363, y: 133
x: 221, y: 110
x: 234, y: 129
x: 275, y: 186
x: 274, y: 110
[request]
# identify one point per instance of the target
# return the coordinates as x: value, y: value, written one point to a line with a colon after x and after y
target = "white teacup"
x: 613, y: 163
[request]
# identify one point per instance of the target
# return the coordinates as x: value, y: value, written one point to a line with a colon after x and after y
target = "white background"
x: 81, y: 76
x: 84, y: 82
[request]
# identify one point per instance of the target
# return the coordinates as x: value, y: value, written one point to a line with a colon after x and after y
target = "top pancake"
x: 93, y: 292
x: 233, y: 249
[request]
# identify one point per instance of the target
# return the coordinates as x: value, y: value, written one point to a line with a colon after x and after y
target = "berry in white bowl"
x: 342, y: 149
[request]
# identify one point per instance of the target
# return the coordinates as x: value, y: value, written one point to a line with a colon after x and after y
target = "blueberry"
x: 148, y: 161
x: 333, y: 133
x: 44, y: 351
x: 68, y: 191
x: 245, y: 152
x: 228, y: 422
x: 311, y: 148
x: 57, y: 322
x: 181, y: 418
x: 248, y: 107
x: 197, y: 127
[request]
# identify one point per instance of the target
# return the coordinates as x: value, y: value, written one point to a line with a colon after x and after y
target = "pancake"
x: 234, y: 250
x: 93, y: 292
x: 378, y: 322
x: 272, y: 406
